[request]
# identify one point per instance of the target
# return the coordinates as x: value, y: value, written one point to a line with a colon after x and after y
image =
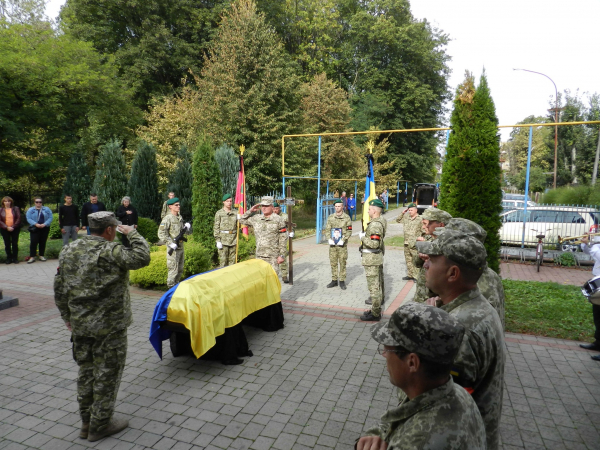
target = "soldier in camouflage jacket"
x: 373, y: 249
x: 412, y: 225
x: 338, y: 251
x: 170, y: 227
x: 91, y: 291
x: 225, y: 232
x: 283, y: 267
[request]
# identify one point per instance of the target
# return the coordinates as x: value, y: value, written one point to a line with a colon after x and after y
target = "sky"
x: 553, y: 37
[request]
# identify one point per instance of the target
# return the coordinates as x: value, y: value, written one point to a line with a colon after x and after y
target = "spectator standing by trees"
x: 68, y: 220
x: 128, y: 215
x: 39, y: 218
x: 10, y: 223
x: 93, y: 206
x: 352, y: 207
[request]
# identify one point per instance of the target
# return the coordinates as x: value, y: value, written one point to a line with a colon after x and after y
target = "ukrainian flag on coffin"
x: 209, y: 302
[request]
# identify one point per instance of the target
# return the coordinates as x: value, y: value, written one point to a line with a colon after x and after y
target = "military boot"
x: 343, y: 285
x: 286, y: 280
x: 333, y: 283
x: 369, y: 317
x: 114, y: 426
x: 85, y: 429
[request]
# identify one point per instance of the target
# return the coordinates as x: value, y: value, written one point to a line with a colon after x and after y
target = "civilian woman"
x: 127, y: 214
x: 39, y: 218
x: 10, y: 223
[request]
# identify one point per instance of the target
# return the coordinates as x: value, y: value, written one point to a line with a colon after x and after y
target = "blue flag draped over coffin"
x: 208, y: 303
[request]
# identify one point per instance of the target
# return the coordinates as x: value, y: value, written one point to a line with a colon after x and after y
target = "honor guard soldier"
x: 373, y: 250
x: 338, y: 229
x: 283, y: 267
x: 170, y: 229
x: 412, y: 224
x: 91, y: 291
x: 225, y: 232
x: 270, y: 232
x: 419, y: 344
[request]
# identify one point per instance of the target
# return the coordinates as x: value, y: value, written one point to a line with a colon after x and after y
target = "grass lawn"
x: 548, y: 309
x: 396, y: 241
x: 53, y: 247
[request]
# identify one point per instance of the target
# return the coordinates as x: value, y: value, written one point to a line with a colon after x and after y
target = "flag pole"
x: 237, y: 237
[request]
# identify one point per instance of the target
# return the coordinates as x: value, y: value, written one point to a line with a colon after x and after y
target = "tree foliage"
x: 181, y: 181
x: 143, y: 182
x: 110, y: 182
x: 79, y: 183
x: 229, y: 167
x: 206, y: 193
x: 517, y: 146
x: 471, y: 186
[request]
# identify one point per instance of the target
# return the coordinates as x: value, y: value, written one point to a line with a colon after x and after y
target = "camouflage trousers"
x: 376, y: 287
x: 101, y: 361
x: 271, y: 260
x: 338, y: 255
x: 422, y: 293
x: 409, y: 253
x: 227, y: 256
x: 283, y: 267
x: 175, y: 267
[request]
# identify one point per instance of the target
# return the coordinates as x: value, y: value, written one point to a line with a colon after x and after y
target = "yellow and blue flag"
x: 370, y: 193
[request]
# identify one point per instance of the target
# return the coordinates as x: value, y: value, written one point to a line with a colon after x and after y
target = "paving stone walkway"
x: 316, y: 384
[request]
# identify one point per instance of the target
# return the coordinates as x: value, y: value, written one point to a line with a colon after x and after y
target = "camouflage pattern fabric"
x: 409, y: 255
x: 101, y: 361
x: 283, y: 267
x: 225, y: 221
x: 164, y: 211
x: 226, y: 256
x: 271, y: 236
x: 169, y: 229
x: 92, y: 289
x: 413, y: 228
x: 490, y: 285
x: 338, y: 256
x: 373, y: 262
x: 175, y: 264
x: 457, y: 246
x: 442, y: 418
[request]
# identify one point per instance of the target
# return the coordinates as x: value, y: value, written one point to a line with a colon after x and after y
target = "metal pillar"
x: 355, y: 200
x: 283, y: 207
x: 319, y: 196
x: 526, y: 187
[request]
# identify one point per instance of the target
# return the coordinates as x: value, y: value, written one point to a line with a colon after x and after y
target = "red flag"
x: 240, y: 193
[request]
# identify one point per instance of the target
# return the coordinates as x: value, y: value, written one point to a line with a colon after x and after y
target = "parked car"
x: 552, y: 221
x: 509, y: 205
x: 425, y: 195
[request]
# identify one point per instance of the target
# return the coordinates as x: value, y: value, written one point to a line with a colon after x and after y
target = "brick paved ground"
x: 316, y: 384
x: 528, y: 272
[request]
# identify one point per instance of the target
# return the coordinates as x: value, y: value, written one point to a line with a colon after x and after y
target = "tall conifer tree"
x: 229, y: 166
x: 471, y: 183
x: 143, y: 182
x: 78, y: 183
x: 110, y: 182
x: 181, y: 181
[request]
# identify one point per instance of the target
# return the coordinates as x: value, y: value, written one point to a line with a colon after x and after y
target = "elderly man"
x: 373, y: 249
x: 91, y: 291
x: 419, y: 344
x: 338, y: 251
x: 168, y: 231
x: 412, y: 224
x: 432, y: 218
x: 225, y: 232
x: 270, y: 232
x: 456, y: 262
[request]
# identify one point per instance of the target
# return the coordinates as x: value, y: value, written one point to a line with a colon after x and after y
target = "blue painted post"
x: 526, y: 187
x: 405, y: 192
x: 327, y: 194
x: 397, y: 194
x: 319, y: 195
x: 355, y: 199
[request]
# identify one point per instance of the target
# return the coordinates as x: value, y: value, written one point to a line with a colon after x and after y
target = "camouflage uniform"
x: 91, y: 291
x: 479, y: 366
x: 225, y: 232
x: 339, y: 255
x: 372, y: 260
x: 283, y: 267
x: 164, y: 211
x: 169, y: 229
x: 413, y: 228
x: 445, y: 417
x: 271, y: 236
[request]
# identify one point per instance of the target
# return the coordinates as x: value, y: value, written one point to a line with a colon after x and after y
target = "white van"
x: 552, y: 221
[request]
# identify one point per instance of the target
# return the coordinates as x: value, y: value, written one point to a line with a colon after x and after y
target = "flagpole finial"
x: 370, y: 145
x: 242, y: 149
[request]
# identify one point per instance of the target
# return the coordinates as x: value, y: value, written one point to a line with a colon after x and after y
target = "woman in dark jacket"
x: 10, y: 224
x: 127, y: 214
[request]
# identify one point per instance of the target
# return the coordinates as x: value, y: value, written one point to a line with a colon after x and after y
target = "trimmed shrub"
x: 148, y: 229
x: 246, y: 248
x: 54, y: 228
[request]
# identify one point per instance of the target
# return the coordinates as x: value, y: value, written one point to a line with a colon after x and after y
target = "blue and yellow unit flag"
x: 370, y: 193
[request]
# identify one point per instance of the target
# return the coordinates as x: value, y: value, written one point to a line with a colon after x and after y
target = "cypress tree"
x: 143, y: 182
x: 206, y: 193
x: 229, y: 166
x: 471, y: 175
x: 78, y: 184
x: 110, y: 182
x: 180, y: 182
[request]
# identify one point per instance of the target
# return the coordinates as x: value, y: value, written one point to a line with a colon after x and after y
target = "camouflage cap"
x: 436, y: 215
x: 465, y: 226
x: 428, y: 331
x: 266, y: 201
x: 411, y: 205
x: 461, y: 248
x: 376, y: 202
x: 102, y: 219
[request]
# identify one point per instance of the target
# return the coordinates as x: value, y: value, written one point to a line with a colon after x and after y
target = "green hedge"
x: 573, y: 195
x: 148, y: 229
x: 54, y: 228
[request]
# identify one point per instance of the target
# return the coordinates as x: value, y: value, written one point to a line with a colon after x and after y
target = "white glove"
x: 187, y: 226
x: 361, y: 235
x: 291, y: 234
x: 173, y: 246
x: 340, y: 243
x: 331, y: 242
x: 219, y: 245
x: 239, y: 216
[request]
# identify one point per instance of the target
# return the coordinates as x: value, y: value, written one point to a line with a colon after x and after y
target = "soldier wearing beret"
x: 225, y: 232
x: 419, y: 344
x: 270, y: 231
x: 283, y: 267
x: 412, y: 225
x: 165, y: 208
x: 91, y: 291
x: 373, y: 249
x: 432, y: 218
x: 338, y: 247
x: 169, y: 229
x: 455, y: 265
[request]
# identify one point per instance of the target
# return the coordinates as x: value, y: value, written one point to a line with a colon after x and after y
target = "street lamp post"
x: 555, y: 120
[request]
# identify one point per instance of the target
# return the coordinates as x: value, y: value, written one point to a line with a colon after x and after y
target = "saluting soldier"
x: 270, y: 232
x: 91, y: 291
x: 169, y: 229
x: 341, y: 224
x: 283, y: 267
x: 225, y: 232
x: 372, y: 259
x: 412, y: 224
